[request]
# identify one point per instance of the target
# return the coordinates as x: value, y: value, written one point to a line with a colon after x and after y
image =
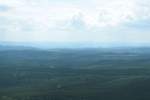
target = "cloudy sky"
x: 101, y: 21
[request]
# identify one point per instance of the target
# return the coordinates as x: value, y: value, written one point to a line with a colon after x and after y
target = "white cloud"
x: 49, y: 20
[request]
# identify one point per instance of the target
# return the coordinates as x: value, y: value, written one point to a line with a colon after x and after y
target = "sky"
x: 88, y: 21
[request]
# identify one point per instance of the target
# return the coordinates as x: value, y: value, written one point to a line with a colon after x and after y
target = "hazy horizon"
x: 74, y: 49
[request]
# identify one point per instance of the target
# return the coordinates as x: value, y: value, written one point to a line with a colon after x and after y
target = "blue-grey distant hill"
x: 13, y: 47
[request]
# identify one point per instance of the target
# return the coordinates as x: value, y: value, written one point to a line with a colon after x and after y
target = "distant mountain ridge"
x: 71, y: 45
x: 15, y: 47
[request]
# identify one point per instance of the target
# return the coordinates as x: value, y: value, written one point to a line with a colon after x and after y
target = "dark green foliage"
x: 81, y: 74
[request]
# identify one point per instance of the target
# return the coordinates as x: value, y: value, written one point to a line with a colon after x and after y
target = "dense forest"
x: 75, y: 74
